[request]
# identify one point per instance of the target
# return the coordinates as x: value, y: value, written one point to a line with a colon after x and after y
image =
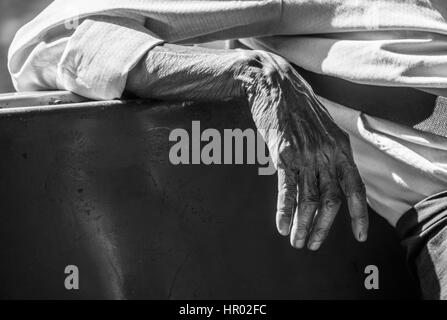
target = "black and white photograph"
x: 223, y: 155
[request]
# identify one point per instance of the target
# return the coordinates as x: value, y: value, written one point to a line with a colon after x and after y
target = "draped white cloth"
x: 379, y: 42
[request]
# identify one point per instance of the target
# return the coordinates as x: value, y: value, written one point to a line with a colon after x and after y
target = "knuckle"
x: 301, y: 231
x: 250, y: 57
x: 270, y: 70
x: 328, y: 184
x: 349, y: 175
x: 332, y: 201
x: 290, y: 196
x: 286, y: 201
x: 270, y: 64
x: 286, y: 190
x: 308, y: 204
x: 286, y: 179
x: 285, y: 206
x: 309, y: 200
x: 325, y: 159
x: 287, y: 154
x: 356, y: 189
x: 360, y: 216
x: 362, y: 219
x: 319, y: 233
x: 284, y: 213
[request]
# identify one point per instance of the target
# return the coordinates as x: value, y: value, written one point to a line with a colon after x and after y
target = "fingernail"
x: 284, y: 228
x: 362, y: 237
x: 283, y: 231
x: 314, y: 246
x: 299, y: 244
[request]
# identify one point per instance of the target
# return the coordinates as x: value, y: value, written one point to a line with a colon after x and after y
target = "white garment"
x: 381, y: 42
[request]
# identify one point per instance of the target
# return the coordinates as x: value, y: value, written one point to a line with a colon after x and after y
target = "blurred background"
x: 13, y: 15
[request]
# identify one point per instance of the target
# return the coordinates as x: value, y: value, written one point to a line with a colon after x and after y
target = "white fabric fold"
x: 399, y: 165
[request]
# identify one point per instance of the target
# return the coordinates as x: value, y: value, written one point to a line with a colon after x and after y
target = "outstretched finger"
x: 354, y: 189
x: 308, y: 200
x: 329, y: 205
x: 287, y: 191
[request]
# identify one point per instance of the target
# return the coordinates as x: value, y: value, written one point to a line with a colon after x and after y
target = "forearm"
x: 173, y: 72
x: 266, y: 81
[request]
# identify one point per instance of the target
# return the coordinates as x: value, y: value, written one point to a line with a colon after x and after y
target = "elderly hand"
x: 313, y: 156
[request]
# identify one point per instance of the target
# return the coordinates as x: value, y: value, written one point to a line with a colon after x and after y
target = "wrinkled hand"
x: 312, y: 154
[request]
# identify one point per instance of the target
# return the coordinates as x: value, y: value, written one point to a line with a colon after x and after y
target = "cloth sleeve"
x: 100, y: 54
x: 93, y: 62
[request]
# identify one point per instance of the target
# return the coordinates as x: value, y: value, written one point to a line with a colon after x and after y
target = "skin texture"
x: 312, y: 154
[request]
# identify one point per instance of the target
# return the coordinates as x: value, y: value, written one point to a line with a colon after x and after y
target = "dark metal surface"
x: 22, y: 100
x: 93, y: 187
